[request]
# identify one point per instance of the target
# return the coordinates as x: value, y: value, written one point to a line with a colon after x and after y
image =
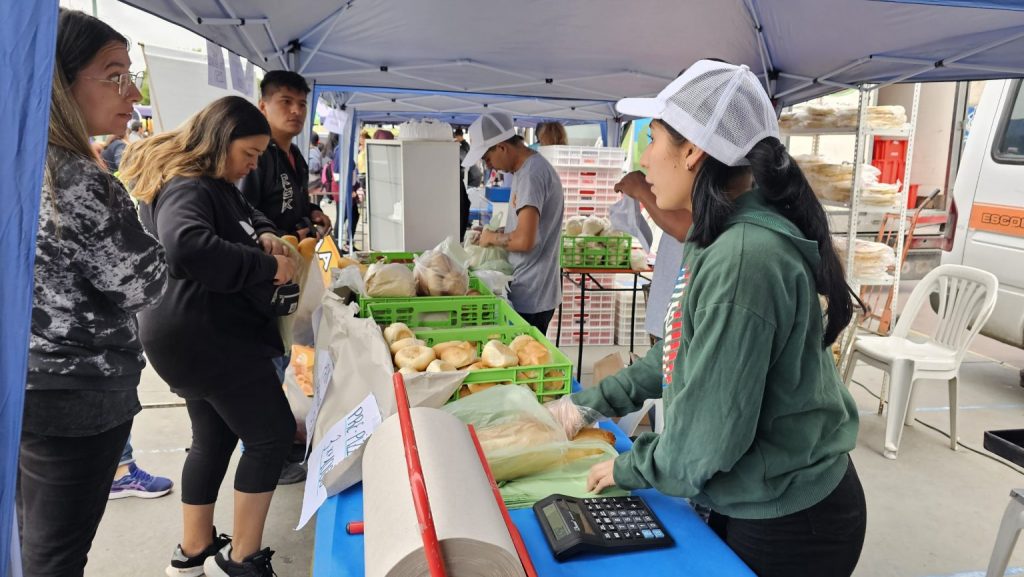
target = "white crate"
x: 584, y: 208
x: 590, y: 336
x: 594, y: 196
x: 584, y: 156
x: 593, y: 179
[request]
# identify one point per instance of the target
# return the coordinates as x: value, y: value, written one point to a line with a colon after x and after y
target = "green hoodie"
x: 758, y: 424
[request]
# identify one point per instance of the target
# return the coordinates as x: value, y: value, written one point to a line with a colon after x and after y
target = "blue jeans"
x: 127, y: 457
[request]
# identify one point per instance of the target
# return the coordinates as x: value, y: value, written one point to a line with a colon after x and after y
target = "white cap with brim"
x: 719, y: 107
x: 490, y: 129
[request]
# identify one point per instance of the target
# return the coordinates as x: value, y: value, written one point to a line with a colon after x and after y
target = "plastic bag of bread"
x: 302, y: 363
x: 574, y: 225
x: 390, y: 280
x: 438, y: 274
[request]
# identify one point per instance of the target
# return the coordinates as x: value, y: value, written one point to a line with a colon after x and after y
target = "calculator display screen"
x: 557, y: 523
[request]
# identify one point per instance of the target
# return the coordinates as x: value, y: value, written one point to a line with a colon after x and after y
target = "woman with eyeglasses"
x: 95, y: 267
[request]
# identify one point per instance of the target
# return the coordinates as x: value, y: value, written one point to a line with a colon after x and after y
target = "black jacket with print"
x: 95, y: 268
x: 279, y: 191
x: 217, y: 314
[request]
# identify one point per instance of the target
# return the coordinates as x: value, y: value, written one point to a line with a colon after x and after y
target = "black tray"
x: 1008, y: 444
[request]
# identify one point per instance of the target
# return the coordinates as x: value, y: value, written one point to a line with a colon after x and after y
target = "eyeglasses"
x: 124, y: 81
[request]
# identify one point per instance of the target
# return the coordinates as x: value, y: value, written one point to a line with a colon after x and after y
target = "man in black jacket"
x: 279, y: 187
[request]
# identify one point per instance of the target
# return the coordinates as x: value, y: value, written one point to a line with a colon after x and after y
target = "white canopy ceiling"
x: 608, y: 49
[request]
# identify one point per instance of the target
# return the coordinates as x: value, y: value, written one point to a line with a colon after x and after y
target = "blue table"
x: 697, y: 552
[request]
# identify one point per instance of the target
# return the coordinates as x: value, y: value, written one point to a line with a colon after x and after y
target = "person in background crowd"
x: 278, y: 188
x: 95, y: 267
x: 214, y: 337
x: 758, y: 424
x: 314, y: 160
x: 464, y: 204
x: 534, y: 224
x: 113, y: 150
x: 135, y: 133
x: 551, y: 134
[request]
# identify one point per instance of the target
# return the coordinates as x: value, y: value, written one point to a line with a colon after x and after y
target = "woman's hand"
x: 323, y: 223
x: 273, y: 245
x: 600, y: 477
x: 634, y: 185
x: 285, y: 269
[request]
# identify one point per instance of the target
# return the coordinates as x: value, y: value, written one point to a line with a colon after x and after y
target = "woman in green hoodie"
x: 758, y: 426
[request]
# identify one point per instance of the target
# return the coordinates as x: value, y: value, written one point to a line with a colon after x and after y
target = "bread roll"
x: 498, y: 355
x: 477, y: 366
x: 595, y: 434
x: 396, y: 332
x: 459, y: 356
x: 477, y: 387
x: 440, y: 366
x: 415, y: 357
x: 521, y: 341
x: 402, y: 343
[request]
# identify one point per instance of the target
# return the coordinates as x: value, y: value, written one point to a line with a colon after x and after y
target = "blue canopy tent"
x: 27, y: 43
x: 395, y: 105
x: 572, y: 49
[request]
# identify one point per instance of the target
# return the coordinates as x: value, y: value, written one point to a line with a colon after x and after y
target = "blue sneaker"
x: 138, y: 483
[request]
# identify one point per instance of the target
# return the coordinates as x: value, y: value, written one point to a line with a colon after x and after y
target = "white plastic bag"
x: 625, y: 215
x: 495, y: 280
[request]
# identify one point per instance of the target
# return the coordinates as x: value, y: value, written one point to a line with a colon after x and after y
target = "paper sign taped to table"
x: 342, y: 440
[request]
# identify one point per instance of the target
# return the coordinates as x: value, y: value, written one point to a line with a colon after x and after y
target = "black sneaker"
x: 255, y: 565
x: 184, y: 566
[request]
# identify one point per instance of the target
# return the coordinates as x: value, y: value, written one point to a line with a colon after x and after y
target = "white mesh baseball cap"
x: 720, y: 107
x: 490, y: 129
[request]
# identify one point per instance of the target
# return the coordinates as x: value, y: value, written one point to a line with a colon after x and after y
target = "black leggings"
x: 63, y: 486
x: 256, y: 412
x: 824, y: 540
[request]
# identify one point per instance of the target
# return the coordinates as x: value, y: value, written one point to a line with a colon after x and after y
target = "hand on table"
x: 600, y: 477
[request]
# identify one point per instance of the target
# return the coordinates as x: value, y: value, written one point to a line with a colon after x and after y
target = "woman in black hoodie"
x: 215, y: 334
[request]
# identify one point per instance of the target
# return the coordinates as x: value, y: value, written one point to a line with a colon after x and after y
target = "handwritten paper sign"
x: 216, y: 73
x: 340, y: 442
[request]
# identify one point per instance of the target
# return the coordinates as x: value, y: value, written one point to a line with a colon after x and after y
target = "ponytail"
x: 785, y: 187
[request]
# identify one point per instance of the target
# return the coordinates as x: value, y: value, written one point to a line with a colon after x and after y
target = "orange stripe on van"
x: 997, y: 218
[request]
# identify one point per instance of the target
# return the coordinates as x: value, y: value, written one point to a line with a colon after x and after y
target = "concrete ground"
x: 932, y: 512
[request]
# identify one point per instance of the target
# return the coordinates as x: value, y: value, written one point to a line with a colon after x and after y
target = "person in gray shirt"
x: 669, y: 261
x: 534, y: 224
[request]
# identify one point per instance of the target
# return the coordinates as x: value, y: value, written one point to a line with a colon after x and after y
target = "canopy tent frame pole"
x: 821, y: 79
x: 818, y: 81
x: 334, y: 22
x: 277, y: 47
x: 762, y: 48
x: 372, y: 68
x: 242, y: 31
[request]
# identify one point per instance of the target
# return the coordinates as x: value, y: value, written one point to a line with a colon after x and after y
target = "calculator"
x: 599, y: 525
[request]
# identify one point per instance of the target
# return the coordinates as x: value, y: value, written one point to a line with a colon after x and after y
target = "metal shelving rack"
x: 863, y: 147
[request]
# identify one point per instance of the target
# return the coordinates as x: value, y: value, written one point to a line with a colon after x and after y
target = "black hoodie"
x: 216, y: 316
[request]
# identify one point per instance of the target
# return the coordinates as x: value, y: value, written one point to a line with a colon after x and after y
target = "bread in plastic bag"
x: 438, y: 274
x: 518, y: 435
x: 574, y: 225
x: 593, y: 226
x: 389, y: 280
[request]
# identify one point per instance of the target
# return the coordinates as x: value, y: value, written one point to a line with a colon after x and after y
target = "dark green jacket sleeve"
x: 626, y: 391
x: 712, y: 418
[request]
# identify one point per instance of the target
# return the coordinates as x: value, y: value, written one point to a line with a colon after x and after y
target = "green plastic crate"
x: 442, y: 312
x: 611, y: 252
x: 388, y: 257
x: 548, y: 381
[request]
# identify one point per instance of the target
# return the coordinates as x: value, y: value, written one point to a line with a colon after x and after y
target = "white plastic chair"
x: 630, y: 422
x: 966, y: 299
x: 1006, y: 539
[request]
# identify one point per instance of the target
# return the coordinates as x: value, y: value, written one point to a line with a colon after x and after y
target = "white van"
x: 986, y: 217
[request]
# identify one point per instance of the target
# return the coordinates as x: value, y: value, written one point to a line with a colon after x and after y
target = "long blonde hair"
x: 199, y: 147
x: 79, y: 38
x: 551, y: 133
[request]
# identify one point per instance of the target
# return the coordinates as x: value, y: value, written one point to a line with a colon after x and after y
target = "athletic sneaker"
x: 255, y: 565
x: 185, y: 566
x: 138, y: 483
